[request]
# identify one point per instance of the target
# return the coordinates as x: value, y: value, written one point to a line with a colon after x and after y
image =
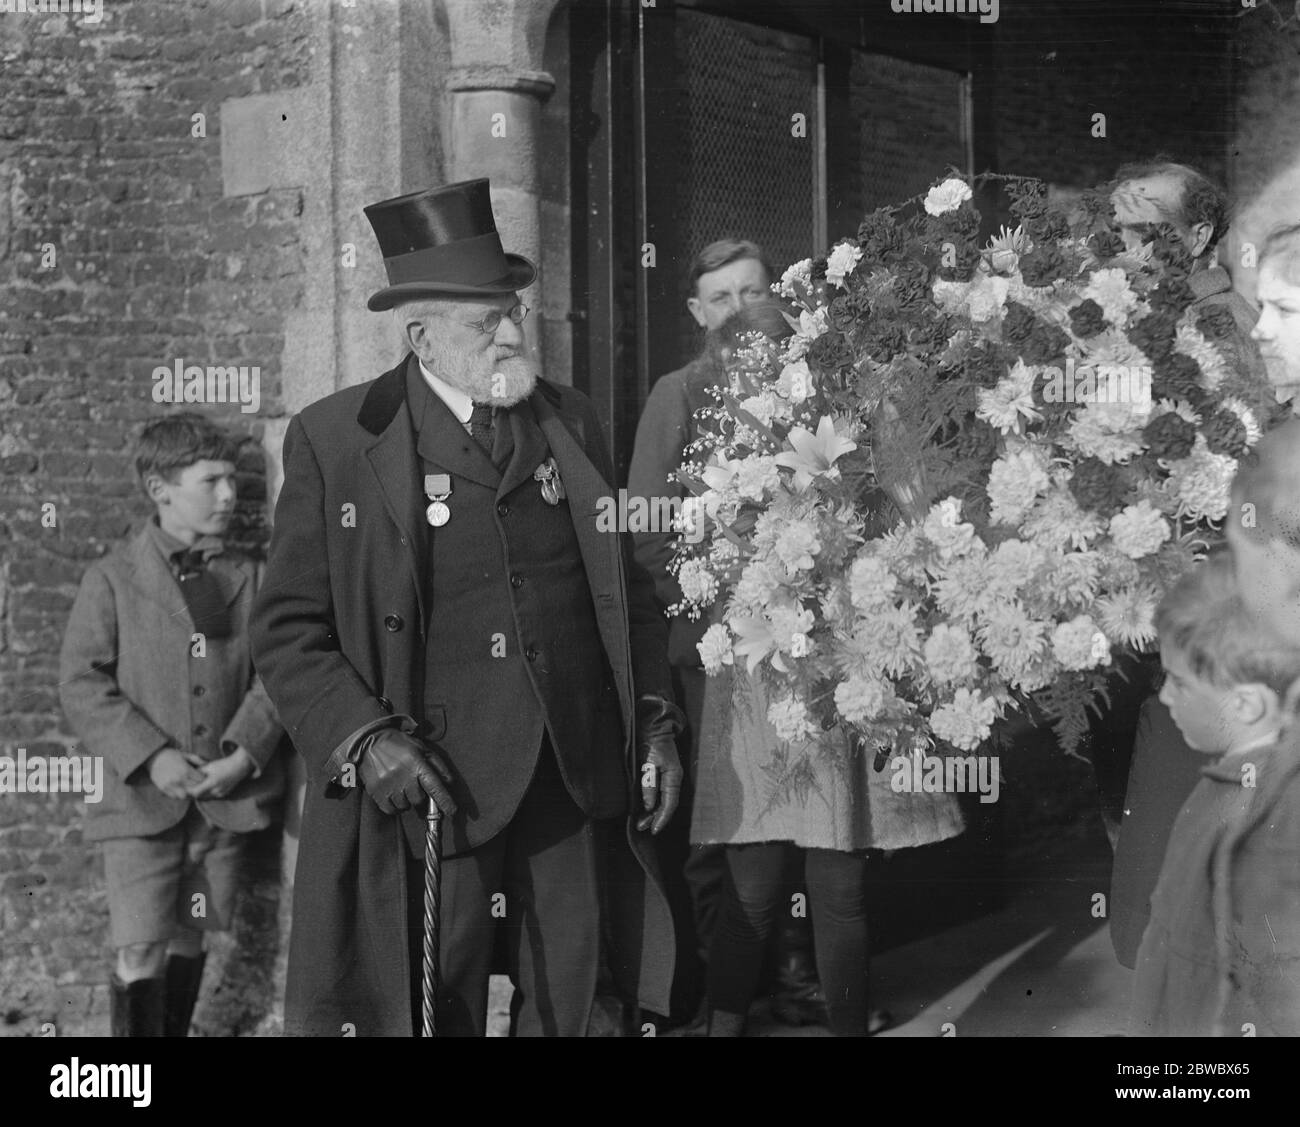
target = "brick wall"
x: 151, y: 265
x: 1160, y: 72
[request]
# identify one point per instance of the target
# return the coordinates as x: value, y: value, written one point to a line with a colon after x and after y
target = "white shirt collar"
x: 462, y: 406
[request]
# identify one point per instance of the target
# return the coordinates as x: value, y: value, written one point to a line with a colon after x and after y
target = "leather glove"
x: 658, y: 723
x: 398, y: 770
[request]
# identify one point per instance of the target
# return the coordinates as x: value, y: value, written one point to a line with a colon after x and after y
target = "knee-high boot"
x: 136, y: 1008
x: 184, y: 976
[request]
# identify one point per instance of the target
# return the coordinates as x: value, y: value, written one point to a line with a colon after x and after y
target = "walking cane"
x: 432, y: 908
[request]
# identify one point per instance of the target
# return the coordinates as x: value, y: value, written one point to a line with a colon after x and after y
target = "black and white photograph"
x: 651, y: 519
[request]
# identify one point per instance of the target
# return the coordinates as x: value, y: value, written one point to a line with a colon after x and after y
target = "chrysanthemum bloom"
x: 950, y: 655
x: 1139, y: 530
x: 860, y: 699
x: 1011, y: 638
x: 1015, y: 481
x: 1129, y: 614
x: 966, y: 721
x: 871, y: 583
x: 790, y: 719
x: 1010, y: 404
x: 1202, y: 481
x: 1078, y: 644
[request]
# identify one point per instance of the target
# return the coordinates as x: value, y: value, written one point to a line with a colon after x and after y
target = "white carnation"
x: 946, y: 197
x: 841, y: 262
x: 715, y: 648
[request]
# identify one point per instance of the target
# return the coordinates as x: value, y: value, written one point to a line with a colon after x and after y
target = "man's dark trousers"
x: 538, y: 880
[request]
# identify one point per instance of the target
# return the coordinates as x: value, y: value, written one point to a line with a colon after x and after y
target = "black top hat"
x: 443, y: 241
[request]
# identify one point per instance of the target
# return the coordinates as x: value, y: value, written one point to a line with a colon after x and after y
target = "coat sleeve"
x: 1264, y: 952
x: 661, y: 438
x: 321, y: 699
x: 255, y: 726
x: 647, y: 627
x: 104, y: 718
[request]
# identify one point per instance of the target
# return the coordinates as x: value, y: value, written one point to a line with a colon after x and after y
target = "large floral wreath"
x: 960, y: 488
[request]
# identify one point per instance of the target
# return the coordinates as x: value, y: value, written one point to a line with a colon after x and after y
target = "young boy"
x: 155, y: 677
x: 1221, y: 954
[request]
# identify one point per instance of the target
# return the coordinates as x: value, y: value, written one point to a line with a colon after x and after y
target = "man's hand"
x: 221, y: 776
x: 173, y: 773
x: 661, y: 770
x: 398, y: 771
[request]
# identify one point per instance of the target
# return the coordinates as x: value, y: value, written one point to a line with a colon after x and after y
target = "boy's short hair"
x: 1204, y: 619
x: 1270, y: 481
x: 723, y: 253
x: 169, y: 445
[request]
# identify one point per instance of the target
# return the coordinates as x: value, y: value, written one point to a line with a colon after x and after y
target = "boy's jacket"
x: 131, y: 683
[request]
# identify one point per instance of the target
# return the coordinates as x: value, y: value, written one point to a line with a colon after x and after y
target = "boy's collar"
x: 1228, y: 768
x: 169, y: 546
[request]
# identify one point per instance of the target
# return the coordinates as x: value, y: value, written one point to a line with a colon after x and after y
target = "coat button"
x: 516, y: 581
x: 199, y: 690
x: 393, y: 623
x: 503, y: 509
x: 531, y: 653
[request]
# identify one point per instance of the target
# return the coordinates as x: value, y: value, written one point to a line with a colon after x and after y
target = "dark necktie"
x: 203, y: 595
x: 480, y: 426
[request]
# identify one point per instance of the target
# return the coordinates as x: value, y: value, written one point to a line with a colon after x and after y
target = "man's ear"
x: 697, y: 310
x: 1199, y: 237
x: 415, y: 334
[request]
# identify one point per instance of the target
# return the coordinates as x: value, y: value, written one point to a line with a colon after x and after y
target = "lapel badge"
x: 548, y: 473
x: 437, y: 487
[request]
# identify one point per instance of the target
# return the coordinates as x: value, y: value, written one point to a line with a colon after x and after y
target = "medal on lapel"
x: 548, y: 473
x: 437, y: 487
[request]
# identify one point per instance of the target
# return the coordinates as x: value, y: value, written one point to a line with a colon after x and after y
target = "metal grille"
x: 911, y: 126
x: 744, y: 173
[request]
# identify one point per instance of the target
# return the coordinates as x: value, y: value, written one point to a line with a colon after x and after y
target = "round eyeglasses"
x: 492, y: 321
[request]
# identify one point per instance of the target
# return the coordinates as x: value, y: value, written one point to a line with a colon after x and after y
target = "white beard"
x: 501, y: 383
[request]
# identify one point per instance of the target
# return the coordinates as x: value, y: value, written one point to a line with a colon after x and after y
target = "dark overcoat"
x: 339, y: 642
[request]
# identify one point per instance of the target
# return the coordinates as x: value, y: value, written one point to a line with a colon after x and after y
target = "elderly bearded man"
x: 441, y: 612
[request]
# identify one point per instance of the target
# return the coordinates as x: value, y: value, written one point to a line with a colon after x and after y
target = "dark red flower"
x: 1098, y: 486
x: 1225, y: 434
x: 1043, y: 266
x: 1106, y: 244
x: 1169, y: 436
x: 1018, y: 322
x: 1087, y: 319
